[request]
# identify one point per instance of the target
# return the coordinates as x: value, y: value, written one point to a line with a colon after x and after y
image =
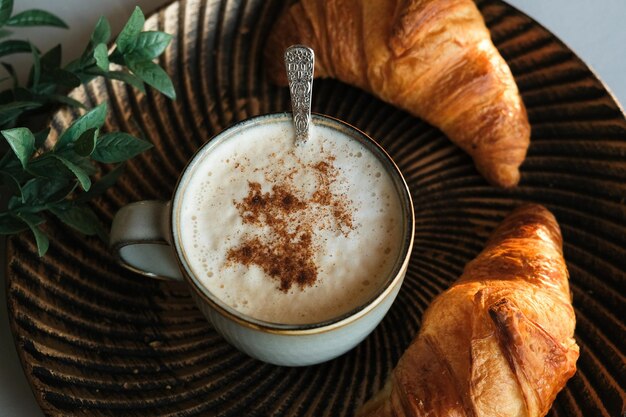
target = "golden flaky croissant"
x: 499, y: 341
x: 432, y: 58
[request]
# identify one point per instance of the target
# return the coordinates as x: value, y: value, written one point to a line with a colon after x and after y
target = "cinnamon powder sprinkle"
x: 287, y: 253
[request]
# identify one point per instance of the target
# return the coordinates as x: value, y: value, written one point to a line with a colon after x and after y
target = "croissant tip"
x: 532, y: 208
x: 506, y: 176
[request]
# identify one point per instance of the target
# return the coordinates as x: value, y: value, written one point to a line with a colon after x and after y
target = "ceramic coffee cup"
x: 146, y: 238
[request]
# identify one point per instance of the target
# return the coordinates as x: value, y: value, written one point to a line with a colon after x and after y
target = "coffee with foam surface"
x: 291, y: 234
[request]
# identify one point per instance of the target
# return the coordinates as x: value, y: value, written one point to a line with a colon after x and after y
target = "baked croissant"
x: 432, y: 58
x: 499, y: 341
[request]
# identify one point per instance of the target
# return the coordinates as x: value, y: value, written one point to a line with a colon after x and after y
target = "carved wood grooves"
x: 97, y: 340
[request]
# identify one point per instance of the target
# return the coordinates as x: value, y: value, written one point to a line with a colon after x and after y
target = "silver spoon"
x: 300, y: 61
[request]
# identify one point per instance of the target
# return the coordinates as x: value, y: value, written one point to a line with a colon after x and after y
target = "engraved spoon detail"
x: 300, y: 61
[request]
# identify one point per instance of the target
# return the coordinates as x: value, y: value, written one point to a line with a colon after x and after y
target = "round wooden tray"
x: 95, y: 339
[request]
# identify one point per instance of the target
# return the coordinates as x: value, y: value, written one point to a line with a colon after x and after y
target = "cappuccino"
x: 291, y: 233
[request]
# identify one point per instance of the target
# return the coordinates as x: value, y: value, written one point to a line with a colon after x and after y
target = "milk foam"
x: 352, y: 265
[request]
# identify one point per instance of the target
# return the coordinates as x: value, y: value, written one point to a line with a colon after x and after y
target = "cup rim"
x: 354, y: 314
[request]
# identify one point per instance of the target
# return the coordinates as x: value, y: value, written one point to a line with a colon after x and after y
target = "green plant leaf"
x: 78, y: 171
x: 9, y: 68
x: 73, y: 65
x: 13, y: 166
x: 86, y: 143
x: 4, y: 33
x: 24, y: 94
x: 150, y: 44
x: 128, y: 36
x: 8, y: 119
x: 14, y: 202
x: 61, y: 77
x: 36, y: 70
x: 40, y: 137
x: 154, y: 76
x: 22, y: 141
x: 52, y: 59
x: 18, y: 105
x: 84, y: 163
x: 36, y: 17
x: 95, y: 71
x: 36, y: 178
x: 12, y: 184
x: 118, y: 147
x: 45, y: 190
x: 116, y: 57
x: 128, y: 78
x: 6, y: 8
x: 10, y: 225
x: 103, y: 184
x: 14, y: 46
x: 48, y: 166
x: 94, y: 118
x: 33, y: 221
x: 99, y: 187
x: 60, y: 98
x: 79, y: 217
x: 43, y: 89
x: 101, y: 55
x: 86, y: 75
x: 102, y: 31
x: 31, y: 190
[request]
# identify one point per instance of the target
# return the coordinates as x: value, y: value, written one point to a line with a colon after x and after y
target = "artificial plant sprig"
x: 40, y: 179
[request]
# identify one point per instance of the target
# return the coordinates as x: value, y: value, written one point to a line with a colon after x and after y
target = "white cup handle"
x: 141, y: 239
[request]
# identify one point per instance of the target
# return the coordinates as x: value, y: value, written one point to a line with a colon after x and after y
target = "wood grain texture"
x: 96, y: 340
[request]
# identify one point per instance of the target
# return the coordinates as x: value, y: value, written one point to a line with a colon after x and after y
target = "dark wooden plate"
x: 95, y: 339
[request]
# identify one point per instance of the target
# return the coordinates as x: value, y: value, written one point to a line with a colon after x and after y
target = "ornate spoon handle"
x: 300, y: 61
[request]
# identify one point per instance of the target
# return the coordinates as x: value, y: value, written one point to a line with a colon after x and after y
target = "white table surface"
x: 595, y: 30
